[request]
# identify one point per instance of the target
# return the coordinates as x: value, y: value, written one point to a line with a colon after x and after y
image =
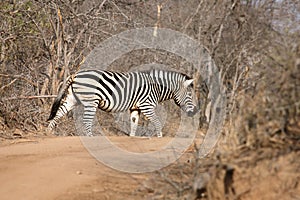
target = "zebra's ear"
x: 187, y: 83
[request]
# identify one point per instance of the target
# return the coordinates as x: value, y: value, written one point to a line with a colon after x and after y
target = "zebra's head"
x: 184, y: 97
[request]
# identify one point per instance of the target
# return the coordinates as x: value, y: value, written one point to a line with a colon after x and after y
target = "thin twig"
x: 221, y: 27
x: 5, y: 86
x: 190, y: 19
x: 171, y: 182
x: 157, y: 24
x: 29, y: 97
x: 122, y: 13
x: 19, y: 77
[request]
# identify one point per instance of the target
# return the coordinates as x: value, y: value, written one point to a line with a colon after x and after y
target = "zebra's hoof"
x: 51, y: 131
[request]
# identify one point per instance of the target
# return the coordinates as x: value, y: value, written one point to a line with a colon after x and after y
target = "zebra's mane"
x: 152, y: 71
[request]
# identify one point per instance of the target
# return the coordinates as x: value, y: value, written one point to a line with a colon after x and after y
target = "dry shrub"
x: 256, y: 157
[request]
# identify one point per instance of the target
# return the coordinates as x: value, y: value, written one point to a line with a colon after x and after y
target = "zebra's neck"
x: 168, y: 83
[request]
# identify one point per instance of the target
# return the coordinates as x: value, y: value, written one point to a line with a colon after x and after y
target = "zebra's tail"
x: 61, y: 95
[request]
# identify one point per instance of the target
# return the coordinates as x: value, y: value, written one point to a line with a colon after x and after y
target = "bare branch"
x: 29, y: 97
x: 5, y: 86
x: 19, y: 77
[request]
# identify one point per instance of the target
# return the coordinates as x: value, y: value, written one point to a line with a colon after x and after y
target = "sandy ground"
x: 62, y: 168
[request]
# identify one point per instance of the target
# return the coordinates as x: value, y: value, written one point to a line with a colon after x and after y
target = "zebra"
x: 139, y: 92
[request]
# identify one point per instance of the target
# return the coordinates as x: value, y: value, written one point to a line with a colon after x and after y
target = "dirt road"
x: 61, y: 168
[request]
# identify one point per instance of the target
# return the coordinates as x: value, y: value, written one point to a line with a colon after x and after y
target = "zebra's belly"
x: 119, y: 108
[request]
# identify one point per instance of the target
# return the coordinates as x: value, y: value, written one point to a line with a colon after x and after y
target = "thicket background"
x: 254, y: 43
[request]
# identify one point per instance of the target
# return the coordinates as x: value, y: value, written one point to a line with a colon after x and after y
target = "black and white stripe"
x: 139, y: 92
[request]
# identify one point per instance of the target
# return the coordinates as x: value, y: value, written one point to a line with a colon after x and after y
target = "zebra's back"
x: 112, y: 91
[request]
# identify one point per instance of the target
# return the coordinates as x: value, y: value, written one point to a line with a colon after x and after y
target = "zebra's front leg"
x: 88, y: 118
x: 134, y: 120
x: 151, y: 115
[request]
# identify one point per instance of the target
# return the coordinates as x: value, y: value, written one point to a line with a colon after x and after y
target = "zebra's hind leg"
x: 88, y: 118
x: 63, y: 109
x: 134, y: 120
x: 151, y: 115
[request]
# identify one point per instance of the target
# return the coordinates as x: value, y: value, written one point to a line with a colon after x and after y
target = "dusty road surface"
x: 62, y: 168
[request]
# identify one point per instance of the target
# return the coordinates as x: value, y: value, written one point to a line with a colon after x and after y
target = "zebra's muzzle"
x: 192, y: 111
